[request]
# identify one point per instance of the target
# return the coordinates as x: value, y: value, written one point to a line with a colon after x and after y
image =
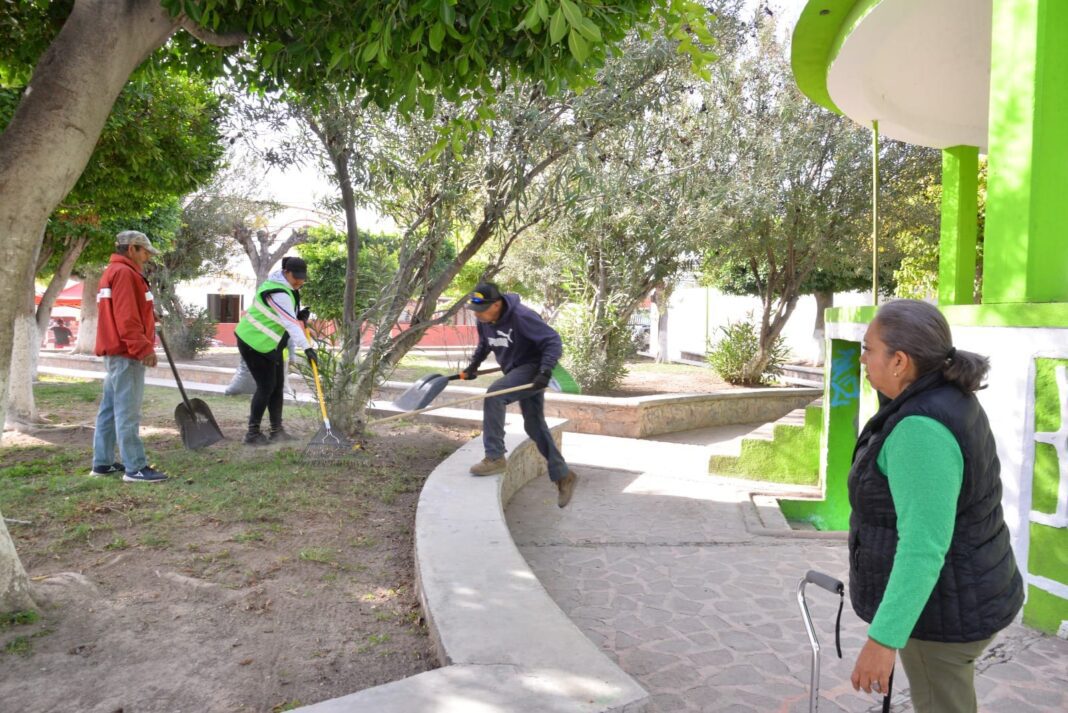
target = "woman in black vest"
x: 931, y: 566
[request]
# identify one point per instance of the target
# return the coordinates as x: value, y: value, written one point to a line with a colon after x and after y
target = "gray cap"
x: 135, y: 237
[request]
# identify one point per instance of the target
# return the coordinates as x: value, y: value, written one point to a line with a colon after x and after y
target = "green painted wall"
x: 1026, y: 242
x: 1044, y: 611
x: 1048, y: 553
x: 1047, y: 477
x: 960, y: 223
x: 1048, y: 547
x: 841, y: 403
x: 987, y: 315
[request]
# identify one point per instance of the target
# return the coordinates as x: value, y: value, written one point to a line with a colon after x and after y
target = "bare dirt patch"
x: 251, y: 581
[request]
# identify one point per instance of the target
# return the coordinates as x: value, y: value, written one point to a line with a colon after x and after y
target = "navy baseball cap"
x: 483, y: 297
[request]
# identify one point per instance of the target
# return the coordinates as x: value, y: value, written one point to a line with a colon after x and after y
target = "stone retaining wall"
x: 627, y: 417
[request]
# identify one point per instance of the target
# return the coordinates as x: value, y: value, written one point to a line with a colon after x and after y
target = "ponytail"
x: 966, y: 369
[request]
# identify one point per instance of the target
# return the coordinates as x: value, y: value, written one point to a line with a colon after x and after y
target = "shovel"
x: 469, y: 399
x: 195, y: 422
x: 422, y: 392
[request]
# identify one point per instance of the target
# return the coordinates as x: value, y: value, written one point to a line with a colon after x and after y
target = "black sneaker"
x: 255, y: 438
x: 279, y: 435
x: 104, y: 470
x: 147, y: 474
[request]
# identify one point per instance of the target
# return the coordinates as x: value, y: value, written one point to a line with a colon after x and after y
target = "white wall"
x: 697, y: 313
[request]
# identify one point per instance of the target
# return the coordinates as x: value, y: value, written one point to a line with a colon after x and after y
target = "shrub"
x: 595, y: 351
x: 189, y: 333
x: 731, y: 357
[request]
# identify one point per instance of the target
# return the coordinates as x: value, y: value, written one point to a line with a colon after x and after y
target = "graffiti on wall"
x: 845, y: 377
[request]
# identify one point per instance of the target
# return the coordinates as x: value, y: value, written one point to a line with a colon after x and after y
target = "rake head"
x: 328, y: 448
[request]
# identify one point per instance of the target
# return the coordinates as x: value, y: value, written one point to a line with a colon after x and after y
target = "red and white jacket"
x: 126, y: 323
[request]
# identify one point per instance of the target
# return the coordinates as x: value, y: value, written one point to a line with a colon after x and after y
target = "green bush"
x: 595, y: 351
x: 189, y: 333
x: 731, y: 357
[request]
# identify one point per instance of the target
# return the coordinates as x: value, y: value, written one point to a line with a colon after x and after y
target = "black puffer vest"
x: 979, y: 590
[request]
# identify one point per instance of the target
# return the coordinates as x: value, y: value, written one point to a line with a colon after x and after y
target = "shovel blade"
x: 197, y: 425
x: 421, y: 393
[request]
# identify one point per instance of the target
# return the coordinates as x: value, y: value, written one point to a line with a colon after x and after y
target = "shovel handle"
x: 318, y: 385
x: 469, y: 399
x: 174, y: 369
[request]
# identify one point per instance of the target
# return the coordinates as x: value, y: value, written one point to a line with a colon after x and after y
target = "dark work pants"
x: 532, y: 405
x: 268, y: 370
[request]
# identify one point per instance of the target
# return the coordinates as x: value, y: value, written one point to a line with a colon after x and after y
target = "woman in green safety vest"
x: 273, y: 320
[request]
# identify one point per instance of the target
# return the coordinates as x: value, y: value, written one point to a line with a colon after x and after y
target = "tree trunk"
x: 24, y: 350
x: 824, y: 301
x: 59, y: 281
x: 86, y: 343
x: 26, y: 344
x: 350, y: 327
x: 46, y: 146
x: 663, y: 302
x: 14, y: 584
x: 770, y: 330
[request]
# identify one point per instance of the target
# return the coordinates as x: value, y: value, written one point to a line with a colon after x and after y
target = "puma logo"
x: 503, y: 339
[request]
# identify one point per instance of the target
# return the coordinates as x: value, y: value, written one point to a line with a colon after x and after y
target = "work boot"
x: 566, y: 487
x: 255, y: 437
x: 279, y: 435
x: 489, y: 466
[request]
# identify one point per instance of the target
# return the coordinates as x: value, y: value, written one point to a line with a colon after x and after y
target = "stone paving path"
x: 656, y: 567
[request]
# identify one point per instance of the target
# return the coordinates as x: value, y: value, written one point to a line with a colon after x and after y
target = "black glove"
x: 470, y: 372
x: 303, y: 315
x: 311, y: 356
x: 541, y: 381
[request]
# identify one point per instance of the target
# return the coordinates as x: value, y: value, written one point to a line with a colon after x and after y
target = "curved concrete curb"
x: 505, y: 644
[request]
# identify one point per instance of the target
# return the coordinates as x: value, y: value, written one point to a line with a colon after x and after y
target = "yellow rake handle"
x: 318, y: 385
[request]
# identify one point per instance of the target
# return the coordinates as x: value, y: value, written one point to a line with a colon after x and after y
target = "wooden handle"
x: 469, y: 399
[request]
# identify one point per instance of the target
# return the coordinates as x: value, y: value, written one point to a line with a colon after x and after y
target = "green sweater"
x: 925, y: 468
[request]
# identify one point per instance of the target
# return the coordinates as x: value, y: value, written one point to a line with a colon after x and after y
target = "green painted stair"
x: 784, y: 451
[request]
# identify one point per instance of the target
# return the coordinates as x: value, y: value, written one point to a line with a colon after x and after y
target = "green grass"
x: 18, y: 618
x: 54, y: 388
x: 19, y: 646
x: 229, y: 484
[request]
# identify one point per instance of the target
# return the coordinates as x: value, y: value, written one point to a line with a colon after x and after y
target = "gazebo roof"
x: 921, y: 68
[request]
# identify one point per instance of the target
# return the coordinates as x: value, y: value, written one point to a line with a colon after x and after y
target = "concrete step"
x: 801, y: 375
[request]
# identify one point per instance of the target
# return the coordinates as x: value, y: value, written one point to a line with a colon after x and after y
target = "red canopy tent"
x: 70, y: 297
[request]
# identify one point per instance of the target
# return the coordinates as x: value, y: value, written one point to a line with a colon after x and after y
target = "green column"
x: 1026, y: 242
x: 841, y: 406
x: 960, y: 216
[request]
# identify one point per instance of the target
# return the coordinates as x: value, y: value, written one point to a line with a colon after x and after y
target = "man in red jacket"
x: 126, y: 338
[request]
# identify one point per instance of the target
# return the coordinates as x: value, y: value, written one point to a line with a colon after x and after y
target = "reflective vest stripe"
x: 266, y: 313
x: 261, y: 328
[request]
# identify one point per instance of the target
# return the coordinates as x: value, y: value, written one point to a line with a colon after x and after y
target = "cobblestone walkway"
x: 658, y: 569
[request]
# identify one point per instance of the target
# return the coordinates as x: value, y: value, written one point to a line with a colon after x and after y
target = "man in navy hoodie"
x: 527, y: 349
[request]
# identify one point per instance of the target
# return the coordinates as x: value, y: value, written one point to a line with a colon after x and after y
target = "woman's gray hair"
x: 921, y: 331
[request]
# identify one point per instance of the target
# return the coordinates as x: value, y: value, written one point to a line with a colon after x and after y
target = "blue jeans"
x: 532, y: 405
x: 119, y: 417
